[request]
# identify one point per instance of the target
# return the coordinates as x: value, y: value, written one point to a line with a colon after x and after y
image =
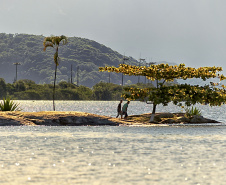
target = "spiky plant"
x: 9, y: 105
x: 192, y: 112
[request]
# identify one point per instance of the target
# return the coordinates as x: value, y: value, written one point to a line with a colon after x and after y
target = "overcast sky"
x: 181, y: 31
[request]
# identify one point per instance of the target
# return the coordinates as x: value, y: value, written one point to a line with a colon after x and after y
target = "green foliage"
x: 163, y: 94
x: 178, y: 93
x: 3, y: 89
x: 189, y: 112
x: 28, y: 95
x: 54, y: 42
x: 39, y: 66
x: 64, y: 91
x: 85, y: 93
x: 107, y: 91
x: 9, y: 105
x: 28, y: 90
x: 20, y: 85
x: 64, y: 85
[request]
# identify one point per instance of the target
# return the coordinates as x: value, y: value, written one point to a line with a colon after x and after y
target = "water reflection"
x: 112, y: 155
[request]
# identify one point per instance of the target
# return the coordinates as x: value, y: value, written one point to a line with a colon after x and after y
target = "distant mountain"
x: 83, y: 55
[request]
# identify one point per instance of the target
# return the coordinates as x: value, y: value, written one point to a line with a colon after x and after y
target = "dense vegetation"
x: 29, y: 90
x: 84, y: 55
x: 163, y: 94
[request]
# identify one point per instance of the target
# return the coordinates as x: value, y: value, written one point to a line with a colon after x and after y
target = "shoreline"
x: 74, y: 118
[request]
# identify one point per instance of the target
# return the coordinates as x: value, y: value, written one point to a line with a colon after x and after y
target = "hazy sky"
x: 181, y: 31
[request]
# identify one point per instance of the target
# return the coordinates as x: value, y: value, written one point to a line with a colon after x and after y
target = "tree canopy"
x: 177, y: 93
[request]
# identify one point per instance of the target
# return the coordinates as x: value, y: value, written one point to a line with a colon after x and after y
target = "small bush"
x: 192, y: 112
x: 9, y: 105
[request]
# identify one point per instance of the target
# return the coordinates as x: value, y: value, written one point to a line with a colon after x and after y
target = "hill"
x: 84, y: 55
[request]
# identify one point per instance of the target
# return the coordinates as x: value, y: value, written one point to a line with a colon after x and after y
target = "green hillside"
x: 37, y: 65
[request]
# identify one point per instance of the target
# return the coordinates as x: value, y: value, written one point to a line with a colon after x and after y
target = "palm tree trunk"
x: 54, y: 87
x: 153, y: 113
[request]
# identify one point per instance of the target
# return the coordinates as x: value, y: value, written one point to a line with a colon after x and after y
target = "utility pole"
x: 71, y: 73
x: 124, y: 59
x: 151, y: 63
x: 17, y: 63
x: 145, y: 78
x: 141, y: 59
x: 77, y: 76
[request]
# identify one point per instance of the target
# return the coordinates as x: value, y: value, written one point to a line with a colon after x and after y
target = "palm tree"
x: 54, y: 42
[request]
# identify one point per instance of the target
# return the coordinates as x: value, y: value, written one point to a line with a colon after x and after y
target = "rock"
x: 170, y: 121
x: 183, y: 120
x: 197, y: 119
x: 201, y: 119
x: 51, y: 118
x: 158, y: 117
x: 57, y: 118
x: 7, y: 122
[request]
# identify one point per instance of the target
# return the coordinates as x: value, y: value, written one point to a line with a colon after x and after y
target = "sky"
x: 192, y: 32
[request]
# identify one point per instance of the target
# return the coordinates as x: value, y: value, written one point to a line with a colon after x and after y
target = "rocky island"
x: 57, y: 118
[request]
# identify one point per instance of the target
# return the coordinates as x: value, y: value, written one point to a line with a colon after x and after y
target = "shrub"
x: 192, y: 112
x: 9, y: 105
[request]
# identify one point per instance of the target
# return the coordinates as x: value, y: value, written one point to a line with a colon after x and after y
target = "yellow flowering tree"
x: 162, y: 94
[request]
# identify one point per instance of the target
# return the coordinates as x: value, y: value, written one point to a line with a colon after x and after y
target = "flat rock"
x: 57, y: 118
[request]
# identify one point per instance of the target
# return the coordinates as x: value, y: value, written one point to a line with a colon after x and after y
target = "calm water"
x: 113, y: 155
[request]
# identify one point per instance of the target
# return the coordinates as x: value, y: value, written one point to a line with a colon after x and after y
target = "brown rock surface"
x: 55, y: 118
x: 170, y: 118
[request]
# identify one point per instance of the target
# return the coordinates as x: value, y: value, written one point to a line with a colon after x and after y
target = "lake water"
x: 192, y: 155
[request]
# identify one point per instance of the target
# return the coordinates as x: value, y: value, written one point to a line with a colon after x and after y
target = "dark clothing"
x: 125, y: 113
x: 119, y: 109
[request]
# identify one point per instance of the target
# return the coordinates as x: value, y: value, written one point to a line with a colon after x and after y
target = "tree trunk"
x: 54, y: 86
x: 153, y: 113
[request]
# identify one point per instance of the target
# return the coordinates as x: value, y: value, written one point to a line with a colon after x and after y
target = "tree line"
x: 84, y: 56
x: 29, y: 90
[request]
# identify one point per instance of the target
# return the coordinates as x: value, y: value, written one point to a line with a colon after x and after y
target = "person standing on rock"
x: 119, y: 109
x: 124, y: 109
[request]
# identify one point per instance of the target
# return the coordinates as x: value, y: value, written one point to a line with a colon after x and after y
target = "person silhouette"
x: 124, y: 109
x: 119, y: 109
